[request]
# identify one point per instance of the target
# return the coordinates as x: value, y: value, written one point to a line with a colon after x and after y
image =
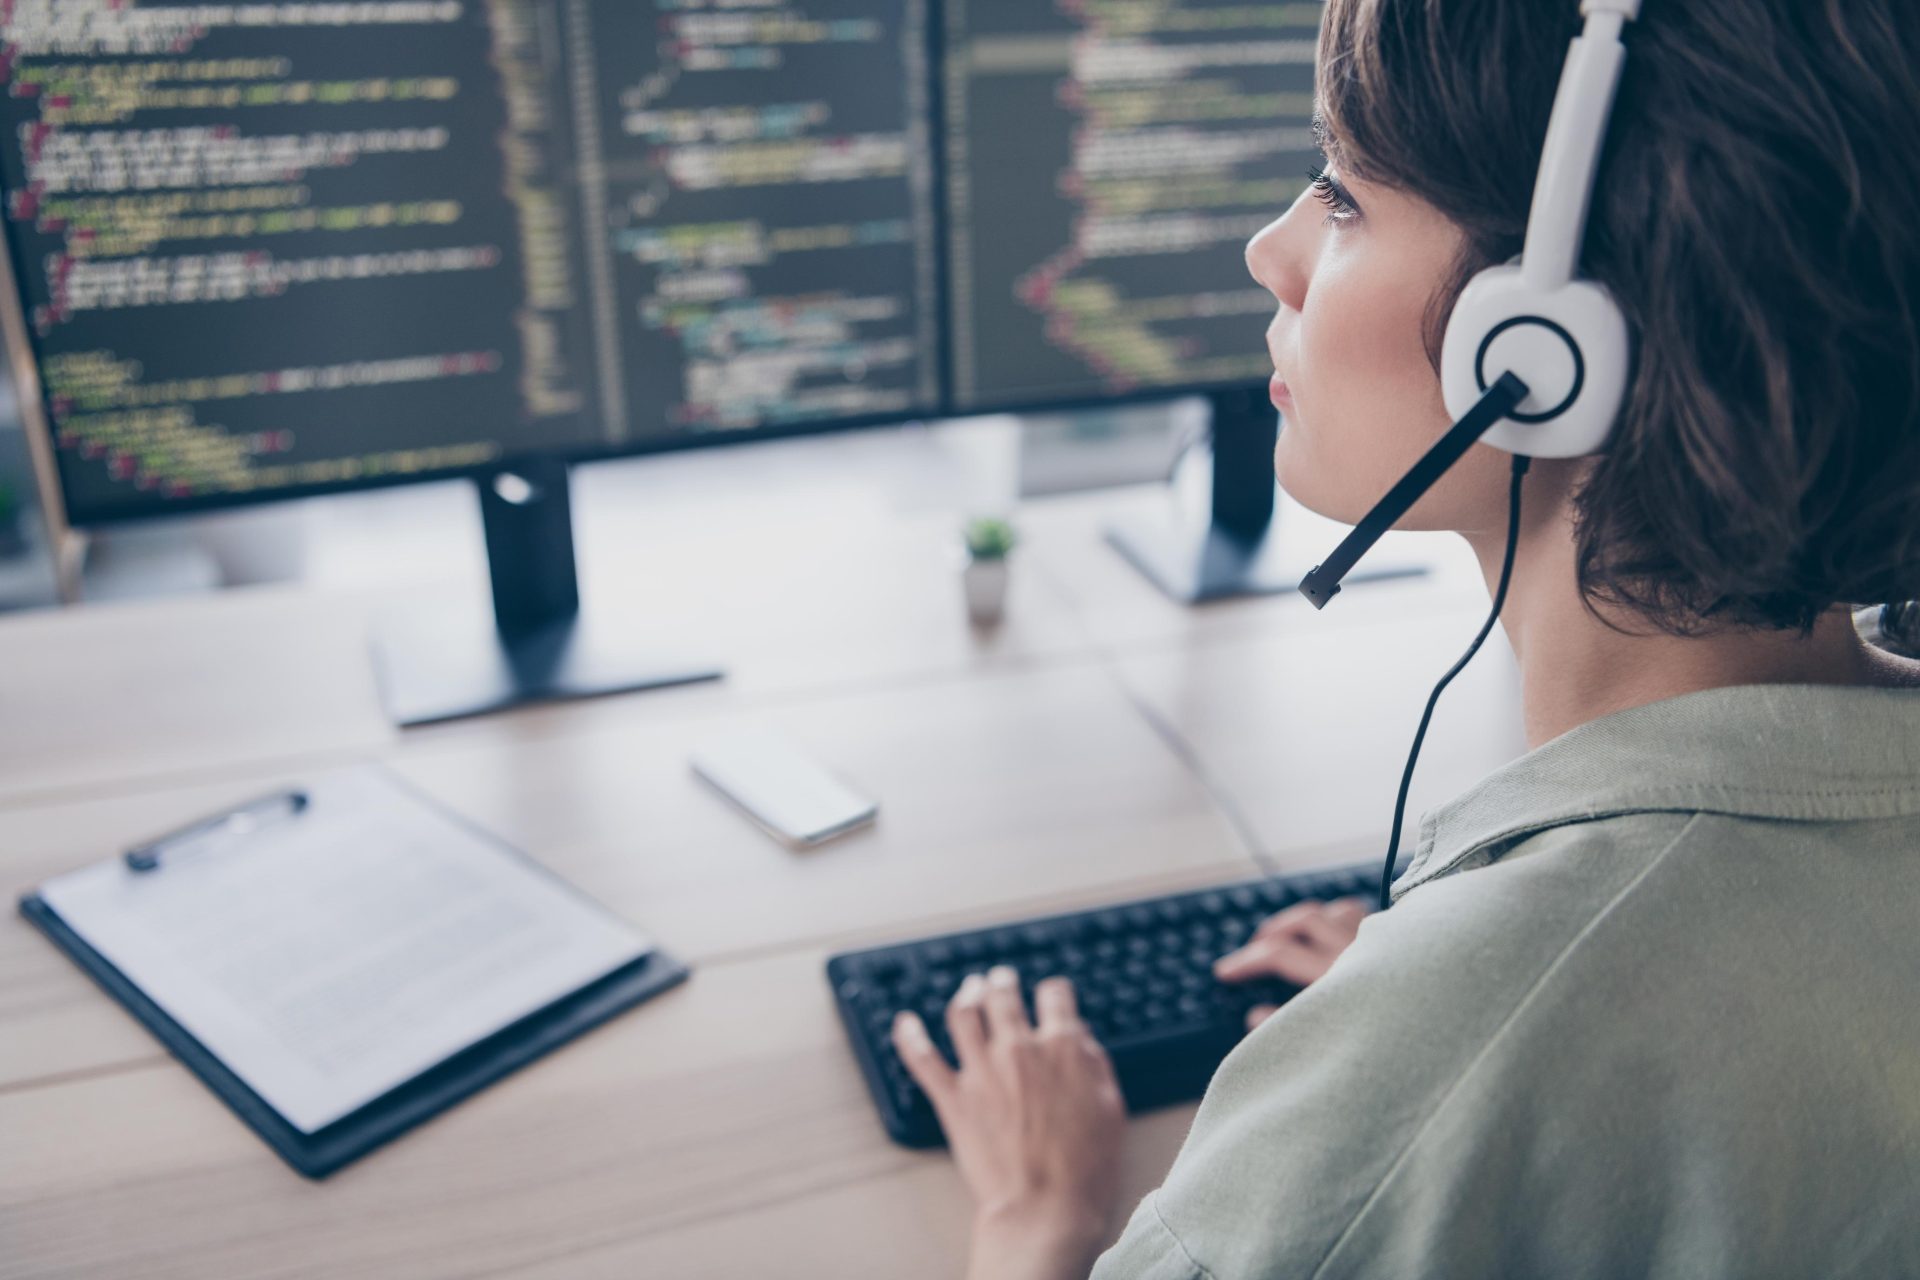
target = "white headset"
x: 1562, y: 335
x: 1536, y: 358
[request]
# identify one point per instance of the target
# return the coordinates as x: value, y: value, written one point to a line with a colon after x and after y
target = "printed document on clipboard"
x: 331, y: 943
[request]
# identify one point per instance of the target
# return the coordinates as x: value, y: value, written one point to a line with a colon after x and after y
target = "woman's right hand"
x: 1296, y: 945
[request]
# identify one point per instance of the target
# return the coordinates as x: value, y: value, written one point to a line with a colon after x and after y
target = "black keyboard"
x: 1142, y: 972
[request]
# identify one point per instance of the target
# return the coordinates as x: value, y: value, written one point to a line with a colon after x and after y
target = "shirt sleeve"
x: 1147, y: 1250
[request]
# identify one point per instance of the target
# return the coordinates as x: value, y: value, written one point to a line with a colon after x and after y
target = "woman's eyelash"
x: 1328, y: 191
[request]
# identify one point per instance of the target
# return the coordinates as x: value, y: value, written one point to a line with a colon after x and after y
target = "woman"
x: 1644, y: 1003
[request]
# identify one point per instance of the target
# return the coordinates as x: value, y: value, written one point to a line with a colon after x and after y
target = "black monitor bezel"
x: 36, y: 415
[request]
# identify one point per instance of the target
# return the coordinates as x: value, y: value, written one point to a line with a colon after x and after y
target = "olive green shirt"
x: 1647, y: 1004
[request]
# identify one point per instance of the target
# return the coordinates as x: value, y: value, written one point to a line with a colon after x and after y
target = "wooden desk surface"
x: 721, y: 1129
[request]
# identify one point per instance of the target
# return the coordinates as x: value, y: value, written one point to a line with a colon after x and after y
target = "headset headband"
x: 1563, y: 191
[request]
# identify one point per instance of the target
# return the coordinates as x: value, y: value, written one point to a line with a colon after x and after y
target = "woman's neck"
x: 1574, y: 668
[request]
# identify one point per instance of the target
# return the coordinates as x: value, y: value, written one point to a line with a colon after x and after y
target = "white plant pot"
x: 986, y: 586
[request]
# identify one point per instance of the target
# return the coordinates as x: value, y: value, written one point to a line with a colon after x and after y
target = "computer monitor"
x: 265, y: 250
x: 1105, y: 166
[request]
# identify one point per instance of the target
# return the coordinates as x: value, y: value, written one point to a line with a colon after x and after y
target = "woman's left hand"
x: 1034, y: 1118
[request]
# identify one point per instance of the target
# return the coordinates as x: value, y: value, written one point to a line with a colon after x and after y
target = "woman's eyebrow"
x: 1323, y: 135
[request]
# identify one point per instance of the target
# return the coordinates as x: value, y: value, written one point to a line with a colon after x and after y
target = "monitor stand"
x: 436, y: 664
x: 1234, y: 552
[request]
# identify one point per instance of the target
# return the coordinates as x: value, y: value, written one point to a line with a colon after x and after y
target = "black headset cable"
x: 1520, y: 464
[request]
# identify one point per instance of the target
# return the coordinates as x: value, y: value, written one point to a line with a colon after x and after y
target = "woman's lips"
x: 1278, y: 393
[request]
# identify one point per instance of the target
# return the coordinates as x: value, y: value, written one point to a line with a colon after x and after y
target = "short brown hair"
x: 1757, y: 216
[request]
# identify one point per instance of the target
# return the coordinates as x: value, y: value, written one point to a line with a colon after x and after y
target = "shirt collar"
x: 1798, y: 752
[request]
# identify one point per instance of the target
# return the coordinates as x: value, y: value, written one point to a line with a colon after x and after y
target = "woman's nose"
x: 1278, y: 260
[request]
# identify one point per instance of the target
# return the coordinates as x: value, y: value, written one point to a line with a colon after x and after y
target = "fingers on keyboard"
x: 964, y: 1021
x: 1054, y: 1004
x: 923, y: 1060
x: 1294, y: 919
x: 1323, y: 922
x: 1284, y: 955
x: 1006, y: 1012
x: 1348, y: 912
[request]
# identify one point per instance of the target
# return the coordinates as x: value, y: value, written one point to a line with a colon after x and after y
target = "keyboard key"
x: 1275, y: 895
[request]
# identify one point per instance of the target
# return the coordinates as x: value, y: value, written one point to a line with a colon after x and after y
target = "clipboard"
x: 321, y: 1151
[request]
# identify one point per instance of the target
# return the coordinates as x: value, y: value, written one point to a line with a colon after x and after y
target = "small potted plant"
x: 989, y: 540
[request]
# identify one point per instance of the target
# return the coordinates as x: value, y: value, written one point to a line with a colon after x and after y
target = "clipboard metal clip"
x: 241, y: 821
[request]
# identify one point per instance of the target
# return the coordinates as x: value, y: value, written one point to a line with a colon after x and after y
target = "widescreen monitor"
x: 264, y: 250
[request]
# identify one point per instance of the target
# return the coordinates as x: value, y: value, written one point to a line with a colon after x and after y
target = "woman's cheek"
x: 1313, y: 462
x: 1327, y: 457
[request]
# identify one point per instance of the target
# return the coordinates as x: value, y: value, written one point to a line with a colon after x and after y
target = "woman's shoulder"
x: 1314, y: 1107
x: 1589, y: 988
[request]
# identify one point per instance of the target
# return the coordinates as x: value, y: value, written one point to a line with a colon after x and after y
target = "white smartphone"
x: 780, y: 788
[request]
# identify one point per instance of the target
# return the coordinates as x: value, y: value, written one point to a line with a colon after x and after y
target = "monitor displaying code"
x: 1107, y: 162
x: 298, y: 245
x: 761, y: 193
x: 287, y: 247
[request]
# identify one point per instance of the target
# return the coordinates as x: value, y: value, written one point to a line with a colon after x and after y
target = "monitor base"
x: 535, y: 644
x: 1234, y: 551
x: 1195, y: 563
x: 436, y: 665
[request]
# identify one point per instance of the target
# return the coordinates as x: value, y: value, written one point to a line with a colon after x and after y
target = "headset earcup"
x: 1569, y: 345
